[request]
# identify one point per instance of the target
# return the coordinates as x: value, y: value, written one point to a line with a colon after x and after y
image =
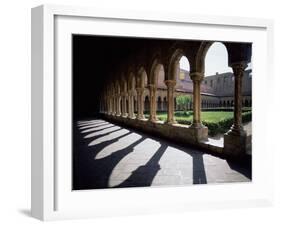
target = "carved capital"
x: 124, y: 94
x: 239, y: 68
x: 139, y: 90
x: 170, y: 83
x: 152, y: 87
x: 131, y: 92
x: 197, y: 76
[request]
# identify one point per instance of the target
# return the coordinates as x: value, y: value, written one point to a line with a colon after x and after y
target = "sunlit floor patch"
x: 175, y: 168
x: 97, y: 128
x: 108, y: 137
x: 101, y: 132
x: 122, y: 143
x: 91, y: 122
x: 93, y: 125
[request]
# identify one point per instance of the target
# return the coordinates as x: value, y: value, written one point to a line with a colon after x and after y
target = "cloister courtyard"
x: 149, y: 112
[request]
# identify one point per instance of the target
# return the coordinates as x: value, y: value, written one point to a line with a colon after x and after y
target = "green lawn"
x: 216, y: 121
x: 208, y: 116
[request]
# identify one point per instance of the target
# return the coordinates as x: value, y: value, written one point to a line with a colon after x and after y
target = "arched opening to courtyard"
x: 220, y: 81
x: 179, y: 89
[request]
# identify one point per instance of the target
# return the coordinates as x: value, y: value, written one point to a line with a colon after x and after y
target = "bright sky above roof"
x: 215, y: 61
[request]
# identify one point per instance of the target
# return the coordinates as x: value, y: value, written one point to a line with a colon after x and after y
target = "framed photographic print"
x: 136, y: 112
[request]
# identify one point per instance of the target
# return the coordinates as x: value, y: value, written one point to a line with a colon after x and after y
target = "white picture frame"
x: 52, y: 198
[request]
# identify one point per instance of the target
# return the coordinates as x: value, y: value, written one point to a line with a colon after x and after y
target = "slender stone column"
x: 235, y: 140
x: 124, y: 107
x: 116, y: 102
x: 140, y: 103
x: 170, y: 95
x: 131, y: 104
x: 152, y: 93
x: 118, y: 107
x: 106, y: 102
x: 197, y: 79
x: 113, y: 105
x: 110, y: 105
x: 238, y: 71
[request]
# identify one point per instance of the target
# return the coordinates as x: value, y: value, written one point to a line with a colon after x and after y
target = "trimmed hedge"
x: 183, y: 113
x: 214, y: 128
x: 225, y: 124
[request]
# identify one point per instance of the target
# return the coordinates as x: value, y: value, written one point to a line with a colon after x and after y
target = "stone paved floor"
x: 106, y: 155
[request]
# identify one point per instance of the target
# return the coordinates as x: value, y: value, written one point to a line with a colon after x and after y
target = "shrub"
x: 161, y: 118
x: 221, y: 126
x: 224, y: 125
x: 213, y: 127
x: 246, y: 109
x: 183, y: 113
x: 184, y: 121
x: 182, y: 101
x: 246, y: 116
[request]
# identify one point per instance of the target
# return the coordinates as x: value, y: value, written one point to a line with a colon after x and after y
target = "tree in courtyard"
x: 183, y: 101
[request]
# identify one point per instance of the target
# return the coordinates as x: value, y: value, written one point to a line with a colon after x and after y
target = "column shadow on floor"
x: 199, y: 174
x: 144, y: 175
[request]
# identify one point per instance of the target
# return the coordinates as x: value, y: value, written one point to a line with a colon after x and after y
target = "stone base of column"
x: 140, y: 117
x: 153, y: 119
x: 171, y: 122
x: 125, y: 115
x: 235, y: 144
x: 132, y: 116
x: 197, y: 125
x: 236, y: 131
x: 200, y: 132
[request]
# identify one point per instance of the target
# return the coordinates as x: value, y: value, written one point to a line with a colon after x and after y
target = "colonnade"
x: 129, y: 85
x: 116, y: 103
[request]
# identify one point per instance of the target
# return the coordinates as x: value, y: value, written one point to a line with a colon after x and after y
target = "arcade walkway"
x: 107, y: 155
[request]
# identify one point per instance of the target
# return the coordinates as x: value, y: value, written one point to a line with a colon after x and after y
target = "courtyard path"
x: 106, y: 155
